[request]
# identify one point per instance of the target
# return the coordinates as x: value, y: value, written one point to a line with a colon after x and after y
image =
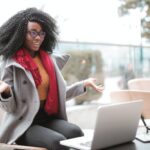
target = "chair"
x: 7, y: 146
x: 139, y: 84
x: 142, y: 84
x: 130, y: 95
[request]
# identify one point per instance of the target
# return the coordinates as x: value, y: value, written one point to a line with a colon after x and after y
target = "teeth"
x: 36, y: 44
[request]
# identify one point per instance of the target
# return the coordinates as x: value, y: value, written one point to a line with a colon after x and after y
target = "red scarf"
x: 24, y: 59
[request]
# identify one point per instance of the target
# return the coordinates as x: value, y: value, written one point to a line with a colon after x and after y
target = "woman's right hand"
x: 4, y: 88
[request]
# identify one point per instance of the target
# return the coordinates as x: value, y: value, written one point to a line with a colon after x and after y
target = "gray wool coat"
x: 23, y: 104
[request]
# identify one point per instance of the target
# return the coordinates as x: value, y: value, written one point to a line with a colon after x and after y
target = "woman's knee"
x: 75, y: 131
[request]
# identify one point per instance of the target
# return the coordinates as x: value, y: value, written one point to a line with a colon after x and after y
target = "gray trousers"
x: 47, y: 132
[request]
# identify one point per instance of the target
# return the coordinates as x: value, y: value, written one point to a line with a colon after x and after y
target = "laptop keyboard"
x: 87, y: 143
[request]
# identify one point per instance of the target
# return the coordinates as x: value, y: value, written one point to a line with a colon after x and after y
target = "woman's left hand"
x: 91, y: 82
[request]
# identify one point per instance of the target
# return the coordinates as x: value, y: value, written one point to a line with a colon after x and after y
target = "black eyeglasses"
x: 34, y: 34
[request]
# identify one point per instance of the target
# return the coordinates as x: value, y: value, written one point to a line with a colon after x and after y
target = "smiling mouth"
x: 36, y: 44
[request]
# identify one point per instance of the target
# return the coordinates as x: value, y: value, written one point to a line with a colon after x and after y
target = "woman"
x: 32, y: 89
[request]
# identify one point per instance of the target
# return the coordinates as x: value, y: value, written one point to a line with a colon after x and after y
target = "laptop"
x: 116, y: 123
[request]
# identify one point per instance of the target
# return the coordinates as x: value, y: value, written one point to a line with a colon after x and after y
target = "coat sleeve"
x: 8, y: 104
x: 75, y: 89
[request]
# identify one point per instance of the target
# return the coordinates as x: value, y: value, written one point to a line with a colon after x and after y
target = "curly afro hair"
x: 13, y: 32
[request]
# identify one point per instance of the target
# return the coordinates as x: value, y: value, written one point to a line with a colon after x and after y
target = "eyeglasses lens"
x: 34, y: 34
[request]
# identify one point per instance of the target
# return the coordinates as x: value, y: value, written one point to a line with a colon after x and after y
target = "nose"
x: 38, y: 37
